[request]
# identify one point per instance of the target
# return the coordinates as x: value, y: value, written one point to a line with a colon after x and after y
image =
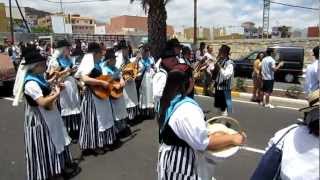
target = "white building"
x: 100, y: 29
x: 59, y: 25
x: 234, y: 30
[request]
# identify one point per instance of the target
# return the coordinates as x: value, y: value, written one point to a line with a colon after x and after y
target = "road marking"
x: 248, y: 102
x: 285, y: 107
x: 260, y: 151
x: 8, y: 98
x: 300, y: 120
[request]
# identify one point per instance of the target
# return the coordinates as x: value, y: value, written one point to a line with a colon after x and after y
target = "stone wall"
x: 242, y: 47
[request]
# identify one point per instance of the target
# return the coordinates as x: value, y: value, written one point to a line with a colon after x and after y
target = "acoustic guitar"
x: 115, y: 90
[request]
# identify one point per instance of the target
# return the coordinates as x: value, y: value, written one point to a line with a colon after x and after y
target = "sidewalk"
x: 277, y: 101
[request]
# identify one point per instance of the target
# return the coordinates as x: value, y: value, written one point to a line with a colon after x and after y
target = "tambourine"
x: 229, y: 126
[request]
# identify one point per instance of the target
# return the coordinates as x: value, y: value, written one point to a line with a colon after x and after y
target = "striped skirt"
x: 42, y: 160
x: 133, y: 112
x: 72, y: 124
x: 90, y: 137
x: 176, y: 163
x: 147, y: 112
x: 121, y: 125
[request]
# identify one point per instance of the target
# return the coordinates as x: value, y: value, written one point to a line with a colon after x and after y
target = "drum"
x: 227, y: 125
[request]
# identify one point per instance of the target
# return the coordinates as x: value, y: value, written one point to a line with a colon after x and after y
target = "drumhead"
x: 224, y: 153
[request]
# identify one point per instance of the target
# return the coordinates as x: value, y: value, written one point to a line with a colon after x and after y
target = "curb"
x: 236, y: 94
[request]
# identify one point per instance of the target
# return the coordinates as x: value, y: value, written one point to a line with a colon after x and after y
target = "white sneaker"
x: 224, y: 113
x: 269, y: 106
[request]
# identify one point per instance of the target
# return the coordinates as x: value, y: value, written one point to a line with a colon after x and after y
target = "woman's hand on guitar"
x: 73, y: 69
x: 62, y: 86
x: 117, y: 85
x: 239, y: 138
x: 105, y: 84
x: 122, y: 82
x: 57, y: 88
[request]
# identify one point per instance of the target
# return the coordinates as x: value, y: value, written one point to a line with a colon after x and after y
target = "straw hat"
x: 313, y: 99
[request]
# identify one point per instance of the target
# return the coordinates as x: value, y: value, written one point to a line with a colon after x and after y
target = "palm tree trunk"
x: 157, y: 28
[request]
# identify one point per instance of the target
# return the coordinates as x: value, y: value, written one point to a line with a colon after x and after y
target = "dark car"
x: 293, y: 58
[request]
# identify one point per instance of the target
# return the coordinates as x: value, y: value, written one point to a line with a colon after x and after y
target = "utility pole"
x: 64, y: 23
x: 24, y: 20
x: 195, y: 24
x: 266, y: 11
x: 11, y: 22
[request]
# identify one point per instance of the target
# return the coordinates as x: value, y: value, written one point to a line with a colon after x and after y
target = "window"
x: 253, y: 56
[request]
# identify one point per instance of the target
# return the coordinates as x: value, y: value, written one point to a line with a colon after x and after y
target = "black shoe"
x: 125, y: 133
x: 71, y: 171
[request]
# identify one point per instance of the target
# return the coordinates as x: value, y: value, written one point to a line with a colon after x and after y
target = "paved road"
x: 136, y: 159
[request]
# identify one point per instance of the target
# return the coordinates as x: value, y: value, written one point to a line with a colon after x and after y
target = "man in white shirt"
x: 312, y: 75
x: 201, y: 51
x: 268, y: 68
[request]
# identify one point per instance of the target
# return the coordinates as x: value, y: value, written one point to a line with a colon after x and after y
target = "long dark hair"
x: 177, y: 83
x: 224, y: 52
x: 258, y: 55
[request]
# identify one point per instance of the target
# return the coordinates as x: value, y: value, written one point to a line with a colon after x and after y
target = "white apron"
x: 146, y: 90
x: 130, y: 94
x: 104, y: 113
x: 119, y: 108
x: 69, y: 98
x: 57, y: 130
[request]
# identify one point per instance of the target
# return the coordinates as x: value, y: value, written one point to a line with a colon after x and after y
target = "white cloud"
x: 210, y: 12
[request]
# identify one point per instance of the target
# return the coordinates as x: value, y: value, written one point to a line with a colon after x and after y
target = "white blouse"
x: 300, y: 158
x: 188, y: 124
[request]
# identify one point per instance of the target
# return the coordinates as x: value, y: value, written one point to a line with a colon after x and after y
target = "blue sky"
x: 210, y: 12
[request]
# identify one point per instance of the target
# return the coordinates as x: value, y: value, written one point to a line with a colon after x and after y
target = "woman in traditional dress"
x: 97, y: 129
x: 146, y: 72
x: 118, y: 105
x: 69, y: 101
x: 46, y: 138
x: 130, y: 90
x: 183, y: 130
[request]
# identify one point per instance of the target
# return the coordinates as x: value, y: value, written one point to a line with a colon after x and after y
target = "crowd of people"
x: 92, y: 95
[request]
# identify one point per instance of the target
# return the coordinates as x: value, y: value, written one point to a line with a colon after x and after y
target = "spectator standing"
x: 312, y: 75
x: 201, y: 52
x: 268, y: 68
x: 257, y: 95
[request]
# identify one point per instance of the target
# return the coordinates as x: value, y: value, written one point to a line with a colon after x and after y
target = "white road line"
x: 260, y: 151
x: 285, y: 107
x: 248, y: 102
x: 8, y: 98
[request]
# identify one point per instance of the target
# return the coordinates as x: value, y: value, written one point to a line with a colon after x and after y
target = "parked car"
x: 7, y: 73
x: 293, y: 58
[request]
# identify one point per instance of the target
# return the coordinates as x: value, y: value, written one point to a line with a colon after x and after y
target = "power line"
x: 76, y: 2
x: 296, y: 6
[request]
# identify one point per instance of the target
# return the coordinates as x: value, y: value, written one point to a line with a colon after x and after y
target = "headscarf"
x: 19, y: 82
